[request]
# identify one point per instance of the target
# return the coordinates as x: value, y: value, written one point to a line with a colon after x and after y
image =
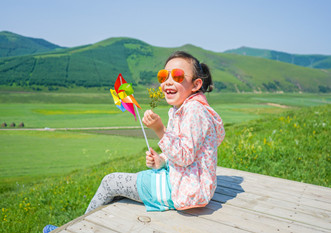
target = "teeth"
x: 171, y: 92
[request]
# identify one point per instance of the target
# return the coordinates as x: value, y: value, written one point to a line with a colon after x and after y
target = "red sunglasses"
x: 176, y: 74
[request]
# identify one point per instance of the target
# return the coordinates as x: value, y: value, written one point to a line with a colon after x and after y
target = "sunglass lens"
x: 178, y: 75
x: 162, y: 76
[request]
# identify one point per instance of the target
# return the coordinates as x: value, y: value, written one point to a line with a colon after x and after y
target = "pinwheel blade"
x: 129, y: 107
x: 117, y: 100
x: 127, y: 87
x: 122, y: 95
x: 121, y: 107
x: 119, y: 81
x: 131, y: 99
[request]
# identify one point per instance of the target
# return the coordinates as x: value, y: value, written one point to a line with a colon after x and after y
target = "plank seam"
x: 103, y: 226
x: 283, y: 218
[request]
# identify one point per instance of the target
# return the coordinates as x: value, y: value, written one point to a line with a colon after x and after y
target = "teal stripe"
x: 147, y: 189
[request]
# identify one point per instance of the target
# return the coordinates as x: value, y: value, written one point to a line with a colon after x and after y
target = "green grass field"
x: 26, y: 154
x: 41, y: 154
x: 50, y: 176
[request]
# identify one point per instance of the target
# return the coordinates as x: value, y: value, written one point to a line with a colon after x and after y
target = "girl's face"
x: 176, y: 93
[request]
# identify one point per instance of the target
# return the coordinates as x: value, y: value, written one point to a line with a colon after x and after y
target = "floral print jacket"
x: 189, y: 146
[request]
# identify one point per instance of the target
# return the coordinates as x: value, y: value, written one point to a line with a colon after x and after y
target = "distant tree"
x: 219, y: 85
x: 147, y: 77
x: 324, y: 89
x: 277, y: 83
x: 51, y: 88
x: 12, y: 124
x: 4, y: 124
x: 21, y: 125
x: 270, y: 86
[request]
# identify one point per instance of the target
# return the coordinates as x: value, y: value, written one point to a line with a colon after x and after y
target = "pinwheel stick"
x: 124, y: 99
x: 142, y: 127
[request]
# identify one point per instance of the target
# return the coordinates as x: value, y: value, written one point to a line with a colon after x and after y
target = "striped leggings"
x: 114, y: 185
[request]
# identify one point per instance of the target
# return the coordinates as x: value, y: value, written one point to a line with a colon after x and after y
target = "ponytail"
x: 207, y: 81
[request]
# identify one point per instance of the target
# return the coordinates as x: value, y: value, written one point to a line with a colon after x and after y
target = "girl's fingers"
x: 148, y: 153
x: 150, y: 161
x: 148, y: 118
x: 152, y: 152
x: 149, y: 158
x: 150, y: 115
x: 152, y: 158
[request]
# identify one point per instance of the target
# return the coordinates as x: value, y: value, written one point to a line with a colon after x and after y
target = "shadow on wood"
x: 228, y: 187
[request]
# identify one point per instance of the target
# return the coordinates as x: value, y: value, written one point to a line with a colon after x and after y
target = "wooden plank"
x: 88, y: 227
x: 282, y: 192
x: 250, y: 220
x: 121, y: 222
x: 223, y: 194
x: 322, y: 193
x: 277, y: 184
x: 168, y: 221
x: 264, y: 198
x: 303, y: 201
x: 263, y: 206
x: 64, y: 231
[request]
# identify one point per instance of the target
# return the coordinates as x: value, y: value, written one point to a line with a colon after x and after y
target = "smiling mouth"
x: 171, y: 92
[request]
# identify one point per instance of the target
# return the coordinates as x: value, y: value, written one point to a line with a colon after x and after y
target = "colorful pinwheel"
x: 124, y: 100
x: 123, y: 96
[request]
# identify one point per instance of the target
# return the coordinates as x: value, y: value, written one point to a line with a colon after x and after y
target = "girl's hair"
x: 200, y: 70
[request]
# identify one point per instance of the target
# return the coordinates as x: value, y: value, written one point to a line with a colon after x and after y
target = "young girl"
x: 187, y: 165
x: 184, y: 175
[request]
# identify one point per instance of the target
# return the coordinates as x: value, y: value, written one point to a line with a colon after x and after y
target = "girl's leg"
x: 112, y: 185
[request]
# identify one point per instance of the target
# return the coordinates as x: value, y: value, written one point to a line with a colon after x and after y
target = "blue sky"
x: 294, y: 26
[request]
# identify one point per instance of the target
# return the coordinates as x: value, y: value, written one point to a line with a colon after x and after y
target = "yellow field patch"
x: 73, y: 112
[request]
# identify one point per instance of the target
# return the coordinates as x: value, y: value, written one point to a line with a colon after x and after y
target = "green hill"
x: 312, y: 61
x: 12, y: 44
x: 98, y: 65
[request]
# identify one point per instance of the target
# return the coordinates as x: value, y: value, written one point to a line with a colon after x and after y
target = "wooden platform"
x: 243, y: 202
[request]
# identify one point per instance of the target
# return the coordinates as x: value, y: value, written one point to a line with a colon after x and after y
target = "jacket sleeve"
x: 181, y: 147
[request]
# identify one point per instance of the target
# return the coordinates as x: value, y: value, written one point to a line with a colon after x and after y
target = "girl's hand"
x: 153, y: 159
x: 154, y: 122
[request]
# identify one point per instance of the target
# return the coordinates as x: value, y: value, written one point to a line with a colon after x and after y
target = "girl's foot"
x: 49, y: 228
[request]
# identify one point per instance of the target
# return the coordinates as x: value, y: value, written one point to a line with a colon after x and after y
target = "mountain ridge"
x: 306, y: 60
x: 97, y: 65
x: 12, y: 44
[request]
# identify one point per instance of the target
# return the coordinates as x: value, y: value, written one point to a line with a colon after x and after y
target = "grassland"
x: 29, y: 154
x: 292, y: 145
x: 38, y: 154
x: 50, y: 176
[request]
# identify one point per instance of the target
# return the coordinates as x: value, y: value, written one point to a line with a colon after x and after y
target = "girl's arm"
x: 154, y: 122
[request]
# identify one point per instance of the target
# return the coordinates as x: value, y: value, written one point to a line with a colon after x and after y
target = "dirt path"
x: 277, y: 105
x: 64, y: 129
